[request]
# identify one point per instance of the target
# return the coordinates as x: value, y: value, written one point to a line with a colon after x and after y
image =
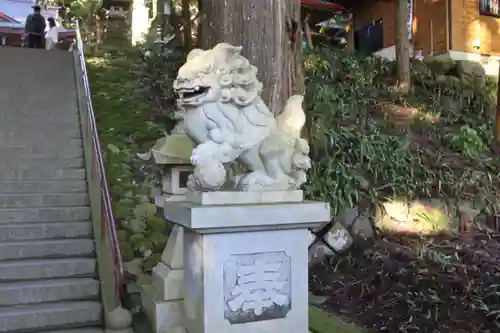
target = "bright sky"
x: 20, y: 9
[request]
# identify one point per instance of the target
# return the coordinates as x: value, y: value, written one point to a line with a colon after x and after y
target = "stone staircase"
x: 48, y: 269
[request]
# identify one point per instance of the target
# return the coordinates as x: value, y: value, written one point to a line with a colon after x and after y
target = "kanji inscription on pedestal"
x: 257, y: 287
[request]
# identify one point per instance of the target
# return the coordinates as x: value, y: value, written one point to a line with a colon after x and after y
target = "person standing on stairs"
x: 35, y: 28
x: 52, y: 35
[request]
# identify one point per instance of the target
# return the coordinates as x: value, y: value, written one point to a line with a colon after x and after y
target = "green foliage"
x: 84, y: 9
x: 125, y: 129
x: 355, y: 157
x: 323, y: 322
x: 360, y: 158
x: 70, y: 10
x: 160, y: 67
x: 467, y: 142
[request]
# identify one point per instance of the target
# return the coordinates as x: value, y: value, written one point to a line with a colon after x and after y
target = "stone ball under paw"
x: 210, y: 176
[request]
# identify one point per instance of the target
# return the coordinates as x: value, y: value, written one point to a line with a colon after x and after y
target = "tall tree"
x: 271, y: 35
x: 402, y: 45
x: 496, y: 133
x: 186, y: 18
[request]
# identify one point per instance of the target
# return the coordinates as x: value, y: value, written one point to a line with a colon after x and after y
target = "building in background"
x: 466, y: 30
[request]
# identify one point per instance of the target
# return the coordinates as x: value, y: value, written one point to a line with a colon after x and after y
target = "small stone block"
x: 240, y: 197
x: 168, y: 282
x: 165, y: 316
x: 172, y: 255
x: 338, y: 238
x: 318, y: 251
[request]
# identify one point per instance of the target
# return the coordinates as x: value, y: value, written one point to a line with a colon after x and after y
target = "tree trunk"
x: 307, y: 31
x: 154, y: 9
x: 98, y: 29
x: 402, y: 46
x: 186, y: 19
x: 271, y: 35
x: 497, y: 114
x: 159, y: 17
x: 199, y: 27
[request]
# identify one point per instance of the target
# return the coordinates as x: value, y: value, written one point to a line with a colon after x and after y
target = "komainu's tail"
x: 292, y: 119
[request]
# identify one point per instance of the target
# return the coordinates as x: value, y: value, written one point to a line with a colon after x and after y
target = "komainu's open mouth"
x: 188, y: 95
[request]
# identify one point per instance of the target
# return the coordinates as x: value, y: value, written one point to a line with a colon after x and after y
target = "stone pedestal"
x: 163, y: 300
x: 245, y: 263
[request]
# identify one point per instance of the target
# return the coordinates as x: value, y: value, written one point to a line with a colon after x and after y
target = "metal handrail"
x: 107, y: 217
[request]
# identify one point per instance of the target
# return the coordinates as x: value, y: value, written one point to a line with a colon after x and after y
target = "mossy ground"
x: 324, y: 322
x: 125, y: 129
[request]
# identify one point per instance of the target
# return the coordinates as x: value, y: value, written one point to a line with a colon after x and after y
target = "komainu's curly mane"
x: 239, y: 83
x: 225, y: 115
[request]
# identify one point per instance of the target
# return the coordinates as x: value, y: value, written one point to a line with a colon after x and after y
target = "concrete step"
x: 19, y: 132
x: 27, y: 112
x: 41, y: 116
x: 73, y: 121
x: 44, y: 214
x: 44, y: 173
x: 63, y: 248
x: 41, y: 163
x: 49, y: 316
x: 54, y: 186
x: 28, y: 141
x: 78, y: 330
x: 33, y: 152
x: 53, y: 290
x: 19, y: 270
x: 43, y: 124
x: 49, y: 230
x: 44, y: 200
x: 45, y: 131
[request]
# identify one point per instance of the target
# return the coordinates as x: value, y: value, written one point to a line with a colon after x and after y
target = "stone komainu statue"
x: 219, y: 94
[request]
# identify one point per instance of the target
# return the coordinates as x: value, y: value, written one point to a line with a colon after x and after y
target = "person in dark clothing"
x: 35, y: 29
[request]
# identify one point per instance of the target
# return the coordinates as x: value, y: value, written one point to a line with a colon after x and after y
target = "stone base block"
x: 246, y: 265
x: 255, y: 217
x: 165, y: 316
x: 168, y: 282
x: 172, y: 255
x: 246, y: 282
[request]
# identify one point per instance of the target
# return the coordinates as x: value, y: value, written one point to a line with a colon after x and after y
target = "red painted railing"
x: 97, y: 173
x: 321, y: 4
